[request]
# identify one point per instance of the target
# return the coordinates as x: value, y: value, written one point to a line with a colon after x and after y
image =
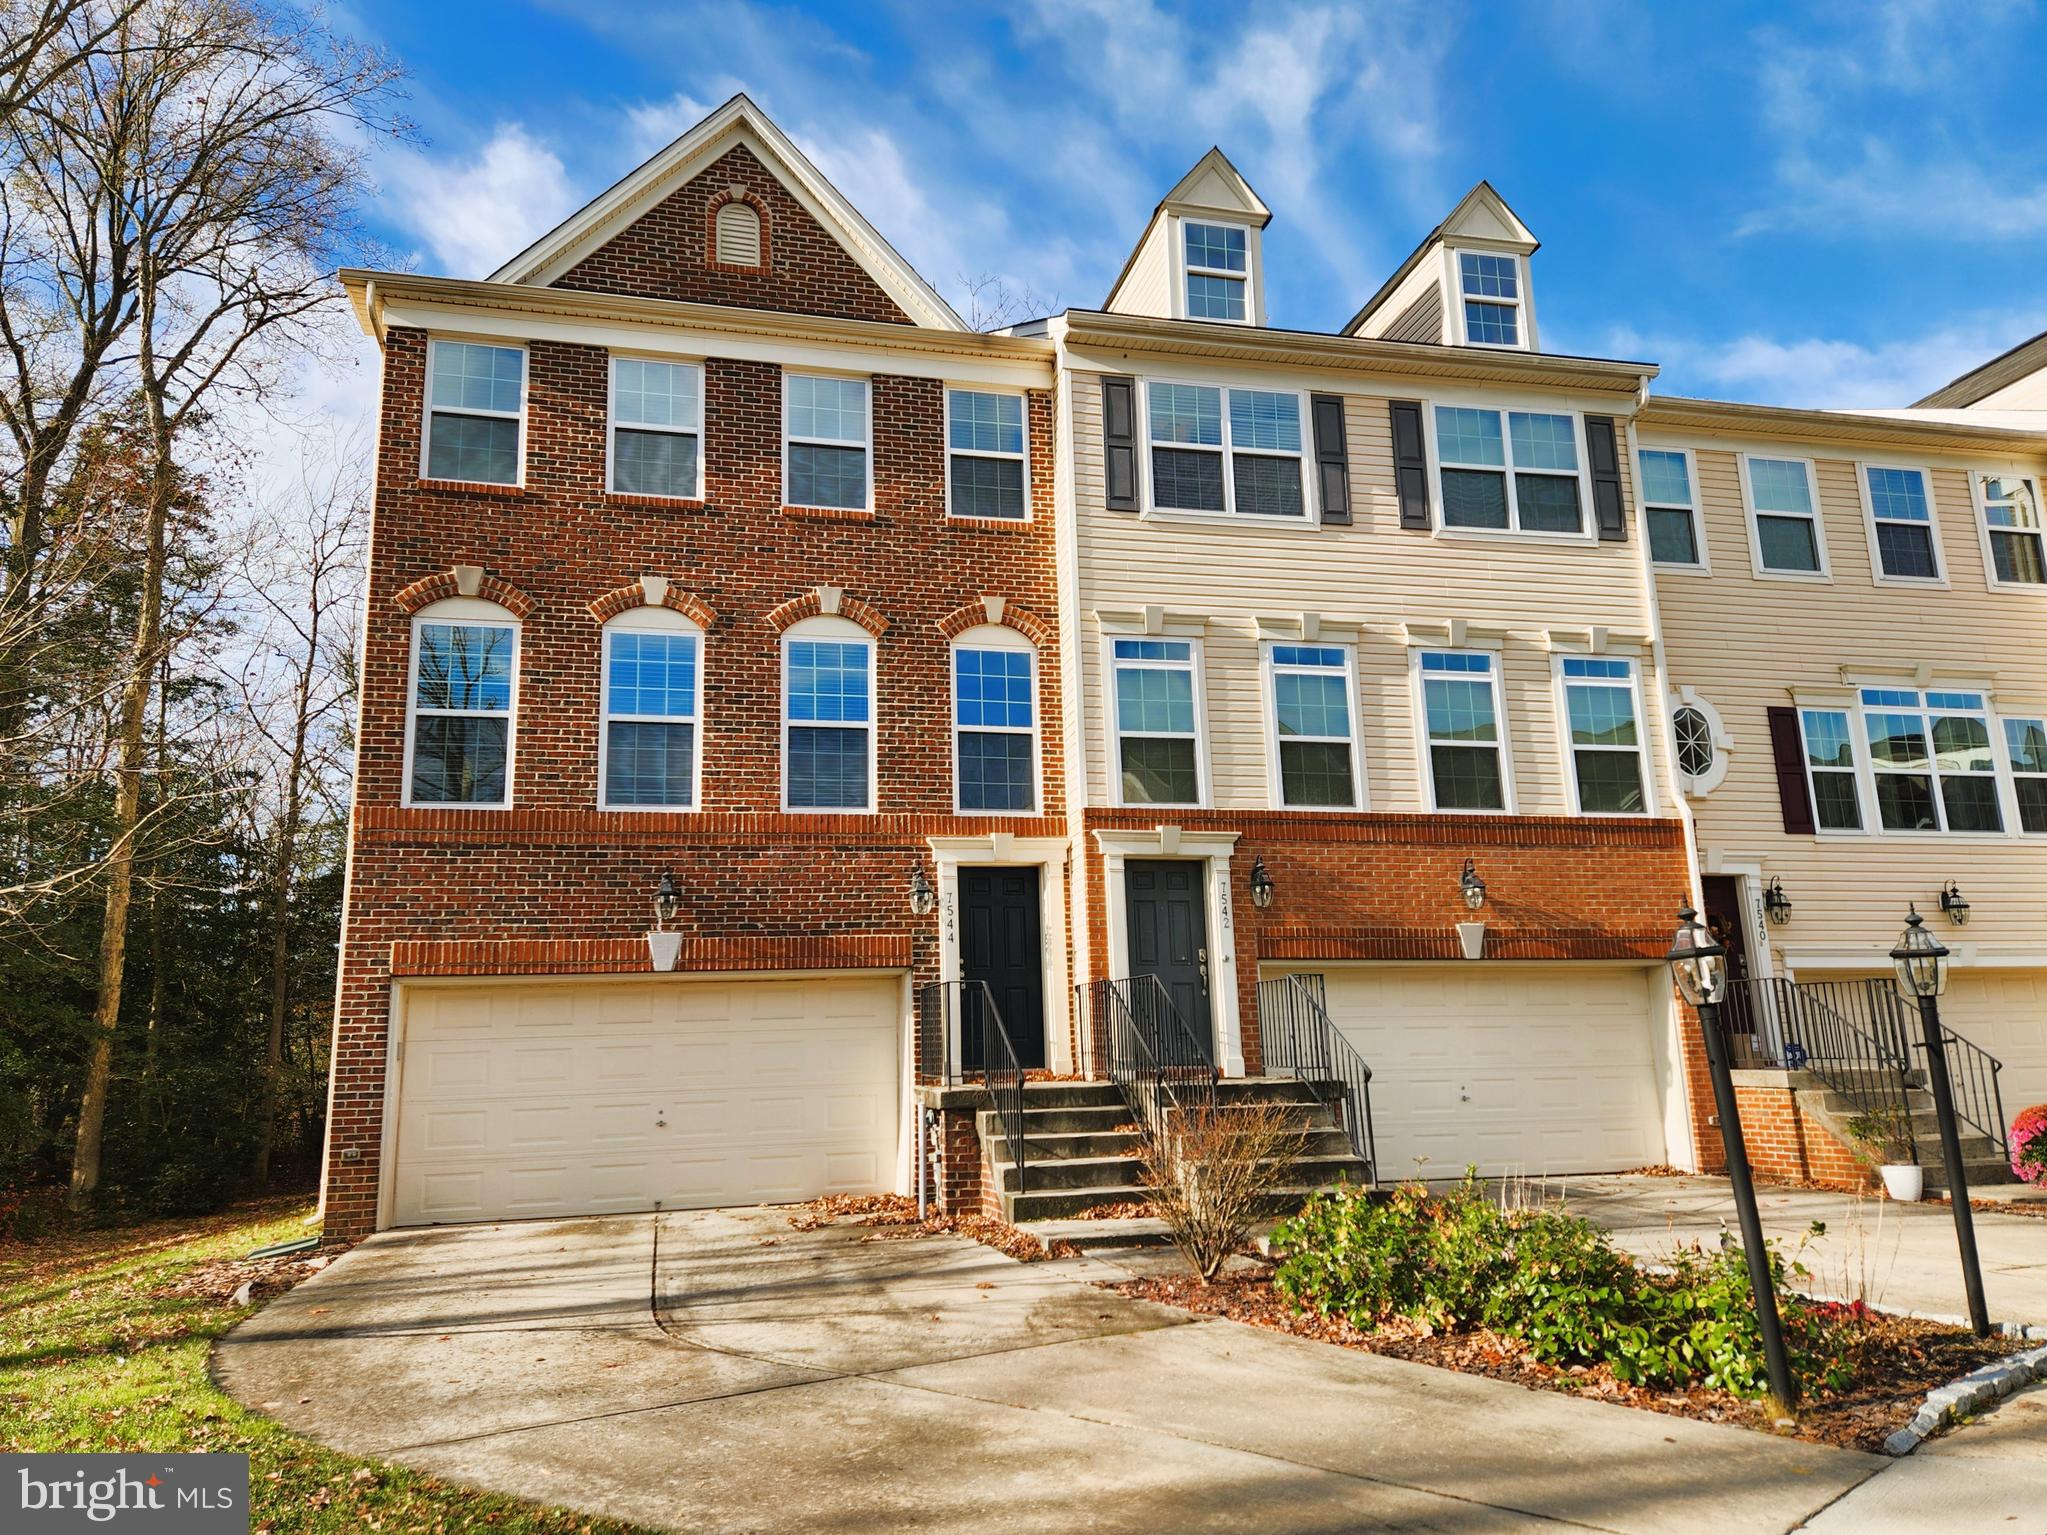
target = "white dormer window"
x: 1491, y: 289
x: 1218, y: 271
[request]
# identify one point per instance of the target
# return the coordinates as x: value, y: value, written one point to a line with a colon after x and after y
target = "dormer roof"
x: 1214, y: 188
x: 2008, y: 374
x: 738, y: 122
x: 1481, y: 220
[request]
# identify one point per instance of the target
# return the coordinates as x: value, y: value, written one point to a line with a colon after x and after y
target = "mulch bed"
x: 247, y: 1281
x: 895, y: 1218
x: 1900, y: 1360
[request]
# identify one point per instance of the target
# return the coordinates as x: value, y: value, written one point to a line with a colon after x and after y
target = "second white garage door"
x: 520, y: 1100
x: 1520, y: 1069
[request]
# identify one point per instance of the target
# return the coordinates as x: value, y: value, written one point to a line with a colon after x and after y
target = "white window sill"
x: 1515, y: 536
x: 1803, y: 577
x: 1301, y: 524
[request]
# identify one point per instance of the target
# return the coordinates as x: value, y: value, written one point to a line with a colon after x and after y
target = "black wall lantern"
x: 1952, y: 903
x: 1261, y: 884
x: 1776, y: 904
x: 1471, y: 885
x: 923, y: 899
x: 667, y: 902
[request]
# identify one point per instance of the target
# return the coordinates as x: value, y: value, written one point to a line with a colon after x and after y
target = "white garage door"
x: 540, y: 1099
x: 1519, y: 1069
x: 2004, y: 1012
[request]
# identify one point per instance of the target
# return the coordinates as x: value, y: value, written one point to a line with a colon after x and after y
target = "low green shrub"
x: 1461, y: 1260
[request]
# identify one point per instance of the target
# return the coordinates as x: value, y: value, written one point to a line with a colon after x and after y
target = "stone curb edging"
x: 1976, y: 1390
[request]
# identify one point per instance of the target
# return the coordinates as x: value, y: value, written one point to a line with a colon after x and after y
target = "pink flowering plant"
x: 2029, y: 1144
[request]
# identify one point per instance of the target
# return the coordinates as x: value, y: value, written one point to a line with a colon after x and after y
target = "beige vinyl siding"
x: 1421, y: 320
x: 1744, y: 644
x: 1148, y: 289
x: 1372, y: 575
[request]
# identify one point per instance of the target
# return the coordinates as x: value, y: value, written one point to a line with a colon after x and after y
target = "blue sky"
x: 1830, y: 205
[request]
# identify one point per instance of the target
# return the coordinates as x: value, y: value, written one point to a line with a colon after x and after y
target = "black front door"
x: 1725, y: 921
x: 999, y: 944
x: 1169, y: 933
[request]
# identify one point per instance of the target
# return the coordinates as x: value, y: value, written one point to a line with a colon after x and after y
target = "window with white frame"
x: 657, y: 423
x: 1509, y: 470
x: 2011, y: 529
x: 1694, y: 749
x: 1315, y: 747
x: 1461, y: 711
x: 1491, y: 289
x: 1218, y: 271
x: 2026, y: 741
x: 653, y: 680
x: 1242, y: 460
x: 459, y: 726
x: 827, y: 716
x: 1930, y: 760
x: 985, y: 473
x: 825, y: 426
x: 476, y: 397
x: 1784, y: 515
x: 995, y: 721
x: 1158, y: 744
x: 1671, y: 506
x: 1830, y: 769
x: 1901, y: 523
x: 1605, y: 735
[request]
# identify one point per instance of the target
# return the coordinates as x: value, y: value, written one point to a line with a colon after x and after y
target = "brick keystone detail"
x: 462, y: 581
x: 642, y: 594
x: 826, y: 600
x: 994, y: 610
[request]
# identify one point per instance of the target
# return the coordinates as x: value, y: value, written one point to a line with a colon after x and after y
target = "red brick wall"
x: 553, y: 884
x: 667, y: 253
x: 1787, y: 1145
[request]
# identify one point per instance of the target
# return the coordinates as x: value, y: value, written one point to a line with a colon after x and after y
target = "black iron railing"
x: 962, y: 1038
x: 1973, y: 1074
x: 1153, y: 1055
x: 1848, y: 1034
x: 1300, y: 1039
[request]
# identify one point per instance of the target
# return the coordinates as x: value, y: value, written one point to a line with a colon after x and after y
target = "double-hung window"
x: 1830, y: 769
x: 1314, y: 731
x: 1784, y: 516
x: 1605, y: 735
x: 995, y: 736
x: 1931, y: 761
x: 1906, y: 546
x: 2026, y: 740
x: 985, y: 474
x: 1509, y: 470
x: 1235, y: 451
x: 1491, y: 290
x: 1218, y: 272
x: 825, y: 435
x: 476, y: 397
x: 1158, y: 744
x: 652, y: 682
x: 1461, y: 711
x: 2012, y: 532
x: 1672, y: 508
x: 828, y: 717
x: 657, y: 427
x: 461, y: 717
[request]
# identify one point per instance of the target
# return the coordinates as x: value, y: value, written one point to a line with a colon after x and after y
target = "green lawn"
x: 94, y: 1357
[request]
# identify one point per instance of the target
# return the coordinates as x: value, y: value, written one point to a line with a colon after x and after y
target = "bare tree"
x: 992, y: 304
x: 43, y: 40
x: 216, y: 134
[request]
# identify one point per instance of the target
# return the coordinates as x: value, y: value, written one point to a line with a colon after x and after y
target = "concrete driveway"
x: 721, y: 1371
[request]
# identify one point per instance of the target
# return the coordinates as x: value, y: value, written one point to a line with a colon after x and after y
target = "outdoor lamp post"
x: 1698, y: 962
x: 1920, y: 960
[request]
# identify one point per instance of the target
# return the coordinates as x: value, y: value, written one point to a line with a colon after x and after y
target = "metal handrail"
x: 1973, y: 1073
x: 1161, y: 1066
x: 1298, y: 1037
x: 965, y: 1010
x: 1848, y: 1034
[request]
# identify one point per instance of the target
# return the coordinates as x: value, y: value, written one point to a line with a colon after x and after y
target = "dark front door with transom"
x: 1725, y: 921
x: 1168, y: 920
x: 999, y: 944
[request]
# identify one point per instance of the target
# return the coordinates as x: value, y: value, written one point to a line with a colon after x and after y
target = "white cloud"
x: 655, y: 125
x: 474, y: 215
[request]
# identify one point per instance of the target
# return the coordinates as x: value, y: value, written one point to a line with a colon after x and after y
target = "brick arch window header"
x: 738, y: 231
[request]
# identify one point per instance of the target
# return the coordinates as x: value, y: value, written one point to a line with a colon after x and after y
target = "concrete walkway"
x: 1898, y: 1257
x: 721, y: 1371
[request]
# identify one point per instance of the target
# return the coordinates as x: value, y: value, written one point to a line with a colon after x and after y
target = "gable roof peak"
x: 1215, y: 185
x: 739, y: 120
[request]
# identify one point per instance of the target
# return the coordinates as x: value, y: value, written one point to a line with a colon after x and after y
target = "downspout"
x: 1073, y: 714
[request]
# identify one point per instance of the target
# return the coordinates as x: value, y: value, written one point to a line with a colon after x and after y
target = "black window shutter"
x: 1410, y: 463
x: 1332, y: 460
x: 1602, y: 447
x: 1793, y: 794
x: 1119, y: 442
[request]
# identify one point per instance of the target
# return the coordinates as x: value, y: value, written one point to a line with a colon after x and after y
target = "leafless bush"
x: 1209, y: 1170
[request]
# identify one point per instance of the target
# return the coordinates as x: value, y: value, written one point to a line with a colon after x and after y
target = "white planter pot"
x: 1472, y: 936
x: 1904, y: 1182
x: 664, y: 949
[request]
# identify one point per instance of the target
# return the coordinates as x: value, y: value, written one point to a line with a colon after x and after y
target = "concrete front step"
x: 1071, y: 1095
x: 1040, y: 1145
x: 1102, y: 1172
x: 1079, y: 1121
x: 1055, y: 1204
x: 1987, y: 1172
